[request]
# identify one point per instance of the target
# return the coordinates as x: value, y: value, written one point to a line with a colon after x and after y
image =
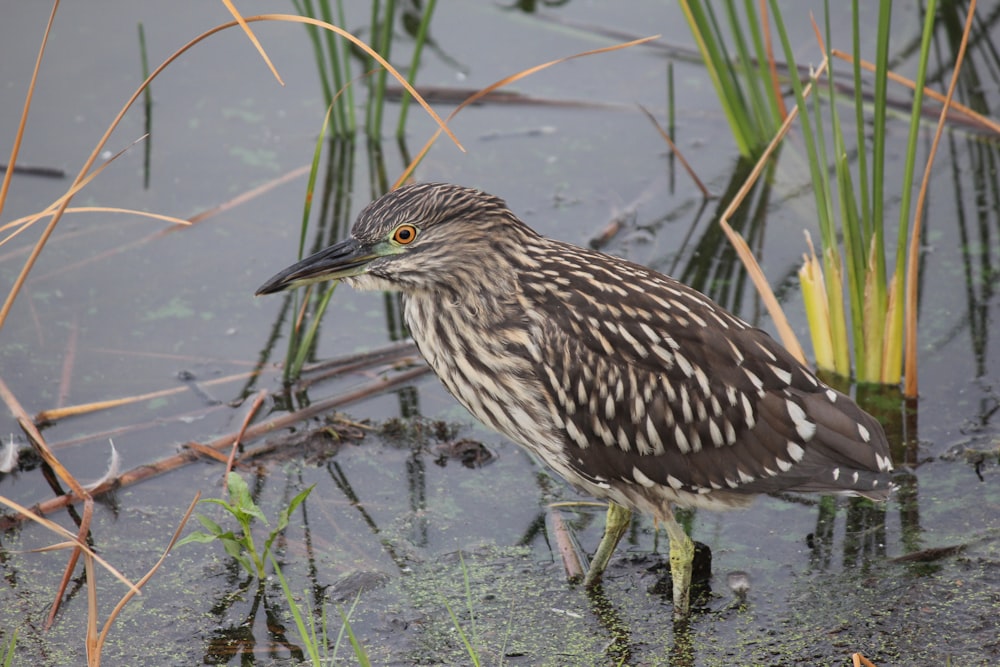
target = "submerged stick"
x: 180, y: 459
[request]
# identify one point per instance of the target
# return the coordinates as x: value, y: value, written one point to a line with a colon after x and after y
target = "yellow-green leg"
x: 615, y: 526
x: 681, y: 559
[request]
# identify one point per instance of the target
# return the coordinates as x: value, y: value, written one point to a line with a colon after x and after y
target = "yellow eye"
x: 404, y: 234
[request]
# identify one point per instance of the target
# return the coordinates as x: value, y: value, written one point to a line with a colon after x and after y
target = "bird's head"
x: 413, y: 238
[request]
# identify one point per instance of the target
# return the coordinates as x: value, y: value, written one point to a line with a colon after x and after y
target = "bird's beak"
x: 341, y: 260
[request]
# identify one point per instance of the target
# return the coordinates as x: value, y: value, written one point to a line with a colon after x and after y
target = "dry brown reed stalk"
x: 238, y: 440
x: 859, y: 659
x: 972, y: 117
x: 253, y: 38
x: 772, y: 65
x: 565, y: 545
x: 395, y: 354
x: 83, y: 175
x: 170, y: 463
x: 77, y: 489
x: 95, y: 642
x: 178, y: 223
x: 19, y: 135
x: 61, y: 203
x: 56, y: 414
x: 71, y: 539
x: 680, y: 156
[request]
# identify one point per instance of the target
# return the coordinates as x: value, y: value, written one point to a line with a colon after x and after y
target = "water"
x: 118, y: 307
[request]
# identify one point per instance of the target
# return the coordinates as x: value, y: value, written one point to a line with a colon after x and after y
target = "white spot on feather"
x: 730, y: 432
x: 795, y: 451
x: 805, y: 428
x: 702, y: 379
x: 642, y: 479
x: 770, y: 355
x: 681, y: 440
x: 865, y: 435
x: 783, y: 376
x: 576, y: 435
x: 684, y: 364
x: 748, y: 411
x: 756, y: 381
x: 9, y: 456
x: 713, y: 430
x: 650, y: 334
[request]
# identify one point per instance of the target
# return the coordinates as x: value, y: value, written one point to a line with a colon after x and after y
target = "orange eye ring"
x: 404, y: 234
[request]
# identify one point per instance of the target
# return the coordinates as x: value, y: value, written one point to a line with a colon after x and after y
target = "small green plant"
x: 245, y: 510
x: 470, y: 644
x: 312, y: 637
x: 8, y: 652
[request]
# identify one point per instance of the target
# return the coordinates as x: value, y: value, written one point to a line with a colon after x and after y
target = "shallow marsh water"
x: 120, y: 307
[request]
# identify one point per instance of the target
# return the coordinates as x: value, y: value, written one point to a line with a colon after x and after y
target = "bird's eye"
x: 404, y: 234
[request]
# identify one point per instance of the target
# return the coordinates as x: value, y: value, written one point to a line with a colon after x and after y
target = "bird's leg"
x: 614, y: 527
x: 681, y: 559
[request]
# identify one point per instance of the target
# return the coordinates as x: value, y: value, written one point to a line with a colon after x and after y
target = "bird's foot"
x: 616, y: 524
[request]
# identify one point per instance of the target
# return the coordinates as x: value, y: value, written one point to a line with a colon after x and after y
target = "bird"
x: 633, y: 387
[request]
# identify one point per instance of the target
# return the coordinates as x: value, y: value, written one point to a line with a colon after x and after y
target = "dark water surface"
x: 118, y: 306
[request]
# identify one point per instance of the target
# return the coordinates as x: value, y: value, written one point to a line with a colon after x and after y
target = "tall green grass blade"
x: 305, y: 8
x: 771, y: 118
x: 815, y: 167
x: 469, y: 648
x: 343, y: 120
x: 376, y: 101
x: 8, y: 652
x: 740, y: 68
x: 859, y: 120
x: 736, y: 81
x: 854, y: 249
x: 879, y: 145
x: 717, y: 68
x: 147, y: 110
x: 298, y: 346
x: 359, y: 650
x: 854, y: 253
x: 833, y: 266
x: 340, y: 50
x: 305, y: 343
x: 306, y: 634
x: 468, y: 599
x: 418, y: 49
x: 892, y: 363
x: 671, y: 106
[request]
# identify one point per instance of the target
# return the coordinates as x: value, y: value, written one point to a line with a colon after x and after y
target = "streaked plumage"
x: 629, y: 384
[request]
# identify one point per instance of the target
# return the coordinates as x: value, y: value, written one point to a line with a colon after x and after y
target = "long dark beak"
x: 341, y: 260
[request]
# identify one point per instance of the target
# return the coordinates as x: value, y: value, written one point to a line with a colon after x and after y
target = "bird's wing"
x: 656, y: 384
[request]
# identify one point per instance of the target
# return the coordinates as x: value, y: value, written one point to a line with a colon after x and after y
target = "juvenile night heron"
x: 629, y: 384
